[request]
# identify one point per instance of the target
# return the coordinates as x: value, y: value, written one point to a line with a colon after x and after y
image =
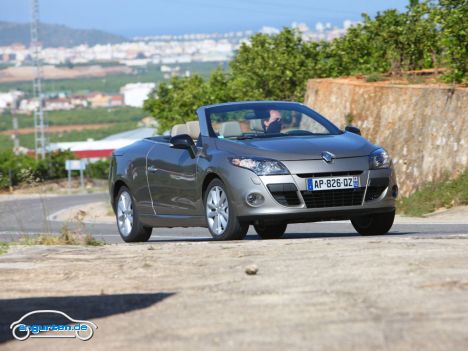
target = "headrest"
x: 179, y: 129
x: 231, y: 128
x: 193, y: 129
x: 256, y: 125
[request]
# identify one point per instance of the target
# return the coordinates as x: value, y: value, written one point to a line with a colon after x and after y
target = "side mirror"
x: 352, y: 129
x: 184, y: 141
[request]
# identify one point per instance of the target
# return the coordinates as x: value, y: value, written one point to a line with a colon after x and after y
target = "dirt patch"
x: 12, y: 74
x: 450, y: 213
x: 53, y: 188
x: 327, y: 294
x: 95, y: 212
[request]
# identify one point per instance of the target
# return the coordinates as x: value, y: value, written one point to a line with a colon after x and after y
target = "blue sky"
x: 146, y: 17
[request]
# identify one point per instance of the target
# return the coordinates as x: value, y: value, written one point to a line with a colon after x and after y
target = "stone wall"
x: 424, y: 127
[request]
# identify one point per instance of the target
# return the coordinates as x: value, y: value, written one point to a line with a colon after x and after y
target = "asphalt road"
x: 20, y: 217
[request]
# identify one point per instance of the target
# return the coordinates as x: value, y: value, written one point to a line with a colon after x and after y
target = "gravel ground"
x: 358, y: 293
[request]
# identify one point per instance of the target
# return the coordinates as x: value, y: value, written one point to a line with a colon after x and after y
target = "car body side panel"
x: 129, y: 167
x: 172, y: 181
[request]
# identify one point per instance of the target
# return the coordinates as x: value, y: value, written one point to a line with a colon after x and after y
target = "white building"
x: 136, y: 93
x: 8, y: 100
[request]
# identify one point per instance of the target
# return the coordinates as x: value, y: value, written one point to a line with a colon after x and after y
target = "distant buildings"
x: 29, y: 105
x: 97, y: 100
x: 10, y: 99
x: 163, y: 49
x: 136, y: 93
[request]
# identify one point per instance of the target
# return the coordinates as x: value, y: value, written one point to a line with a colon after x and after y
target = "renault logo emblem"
x: 327, y: 156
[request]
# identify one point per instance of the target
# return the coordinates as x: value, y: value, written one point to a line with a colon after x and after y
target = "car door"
x: 172, y: 181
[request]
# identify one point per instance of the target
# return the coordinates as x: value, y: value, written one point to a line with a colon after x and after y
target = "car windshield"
x: 266, y: 120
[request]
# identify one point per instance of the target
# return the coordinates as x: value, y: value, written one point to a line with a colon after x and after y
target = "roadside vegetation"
x: 433, y: 196
x: 24, y: 169
x: 72, y: 233
x: 49, y: 239
x: 428, y: 35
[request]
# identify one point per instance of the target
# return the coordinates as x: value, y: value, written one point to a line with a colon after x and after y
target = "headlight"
x: 260, y: 167
x: 379, y: 159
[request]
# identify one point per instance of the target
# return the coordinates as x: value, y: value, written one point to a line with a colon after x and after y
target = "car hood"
x: 292, y: 148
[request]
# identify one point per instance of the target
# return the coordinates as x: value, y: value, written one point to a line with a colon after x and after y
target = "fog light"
x: 255, y: 199
x: 395, y: 191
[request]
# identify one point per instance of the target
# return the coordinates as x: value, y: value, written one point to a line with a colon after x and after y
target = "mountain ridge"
x: 55, y: 35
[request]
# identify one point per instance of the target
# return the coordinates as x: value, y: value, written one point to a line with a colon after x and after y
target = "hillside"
x: 55, y: 35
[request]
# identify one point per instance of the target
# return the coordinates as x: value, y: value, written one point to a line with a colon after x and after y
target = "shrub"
x: 374, y: 77
x: 98, y: 170
x: 16, y: 169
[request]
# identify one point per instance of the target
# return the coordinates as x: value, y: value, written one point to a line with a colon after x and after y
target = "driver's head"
x: 274, y: 115
x: 273, y: 124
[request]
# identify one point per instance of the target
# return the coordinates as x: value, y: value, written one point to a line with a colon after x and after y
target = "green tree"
x: 421, y: 36
x: 220, y: 87
x: 452, y: 17
x: 176, y: 101
x: 273, y: 67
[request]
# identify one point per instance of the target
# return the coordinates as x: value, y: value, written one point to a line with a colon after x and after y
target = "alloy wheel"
x: 217, y: 210
x: 125, y: 213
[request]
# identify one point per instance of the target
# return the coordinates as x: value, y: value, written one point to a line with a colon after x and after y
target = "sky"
x: 154, y: 17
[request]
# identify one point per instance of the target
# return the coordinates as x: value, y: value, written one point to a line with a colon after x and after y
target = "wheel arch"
x: 210, y: 176
x: 115, y: 191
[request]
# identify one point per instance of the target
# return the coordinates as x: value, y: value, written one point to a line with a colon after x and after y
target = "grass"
x: 65, y: 238
x: 374, y: 77
x: 432, y: 196
x: 78, y: 116
x: 27, y: 140
x: 4, y: 248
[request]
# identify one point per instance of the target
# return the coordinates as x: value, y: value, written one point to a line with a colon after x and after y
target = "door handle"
x: 152, y: 169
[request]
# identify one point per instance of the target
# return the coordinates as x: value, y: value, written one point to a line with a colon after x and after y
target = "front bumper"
x: 376, y: 194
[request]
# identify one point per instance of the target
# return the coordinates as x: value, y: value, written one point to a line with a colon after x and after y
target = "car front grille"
x: 333, y: 198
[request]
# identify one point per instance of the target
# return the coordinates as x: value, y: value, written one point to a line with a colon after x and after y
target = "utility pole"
x: 14, y: 136
x: 40, y: 120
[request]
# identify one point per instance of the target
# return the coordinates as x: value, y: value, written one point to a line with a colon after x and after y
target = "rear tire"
x: 130, y: 228
x: 221, y: 218
x: 375, y: 224
x: 272, y: 231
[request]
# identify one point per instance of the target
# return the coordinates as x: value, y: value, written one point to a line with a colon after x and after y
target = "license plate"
x: 329, y: 183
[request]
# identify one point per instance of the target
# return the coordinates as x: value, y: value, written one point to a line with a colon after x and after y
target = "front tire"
x: 221, y: 218
x: 272, y: 231
x: 375, y: 224
x: 130, y: 228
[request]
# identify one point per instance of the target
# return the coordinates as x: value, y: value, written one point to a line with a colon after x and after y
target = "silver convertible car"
x: 260, y: 163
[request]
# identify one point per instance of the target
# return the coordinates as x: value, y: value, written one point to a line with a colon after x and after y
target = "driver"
x: 273, y: 124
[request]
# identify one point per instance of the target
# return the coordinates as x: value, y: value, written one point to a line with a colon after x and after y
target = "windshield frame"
x: 272, y: 105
